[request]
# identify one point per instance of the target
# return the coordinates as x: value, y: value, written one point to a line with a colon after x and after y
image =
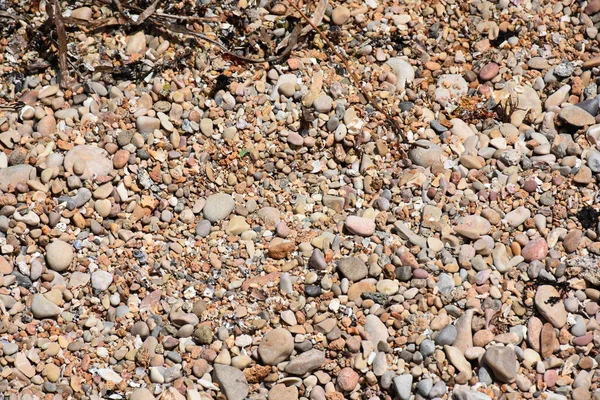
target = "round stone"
x: 276, y: 346
x: 340, y: 15
x: 218, y: 206
x: 59, y: 255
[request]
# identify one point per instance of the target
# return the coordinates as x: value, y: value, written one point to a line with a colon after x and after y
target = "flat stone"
x: 306, y: 362
x: 360, y: 226
x: 517, y: 216
x: 11, y: 176
x: 94, y: 159
x: 457, y: 358
x: 218, y: 206
x: 403, y: 386
x: 576, y: 116
x: 473, y: 226
x: 426, y: 154
x: 59, y: 255
x: 549, y: 304
x: 232, y: 381
x: 101, y: 280
x: 142, y: 394
x: 136, y: 43
x: 340, y: 15
x: 450, y: 87
x: 503, y: 363
x: 489, y: 71
x: 42, y: 308
x: 147, y: 124
x: 24, y: 366
x: 536, y: 249
x: 376, y: 329
x: 352, y: 268
x: 276, y: 346
x: 404, y: 72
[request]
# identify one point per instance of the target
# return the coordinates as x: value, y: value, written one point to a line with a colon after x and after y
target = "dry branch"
x: 355, y: 79
x: 61, y: 33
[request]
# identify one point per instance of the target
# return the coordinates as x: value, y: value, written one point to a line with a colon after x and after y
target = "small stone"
x: 376, y: 329
x: 403, y: 386
x: 536, y: 249
x: 576, y: 116
x: 43, y: 308
x: 323, y: 103
x: 142, y: 394
x: 94, y: 160
x: 24, y: 366
x: 136, y: 43
x: 82, y: 13
x: 59, y: 255
x: 352, y: 268
x: 571, y: 241
x: 447, y: 336
x: 549, y: 304
x: 360, y: 226
x: 403, y: 71
x: 218, y: 206
x: 473, y: 226
x: 101, y: 280
x: 340, y: 15
x: 347, y: 379
x: 232, y: 381
x: 306, y: 362
x: 489, y: 71
x: 503, y: 363
x: 276, y: 346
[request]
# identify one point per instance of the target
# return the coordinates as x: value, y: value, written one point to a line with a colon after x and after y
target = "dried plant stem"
x: 355, y: 79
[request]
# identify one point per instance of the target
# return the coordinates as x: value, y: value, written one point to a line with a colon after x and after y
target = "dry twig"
x: 355, y: 79
x: 61, y: 33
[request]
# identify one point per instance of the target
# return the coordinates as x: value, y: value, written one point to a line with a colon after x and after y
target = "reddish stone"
x: 489, y: 71
x: 536, y: 249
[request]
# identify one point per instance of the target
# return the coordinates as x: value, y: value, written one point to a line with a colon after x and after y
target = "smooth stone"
x: 552, y: 310
x: 517, y: 216
x: 305, y: 362
x: 101, y: 280
x: 59, y: 255
x: 360, y: 226
x: 536, y: 249
x: 340, y: 15
x: 94, y: 159
x: 353, y: 268
x: 473, y: 226
x: 42, y: 308
x: 457, y: 358
x: 576, y: 116
x: 403, y: 70
x: 376, y: 329
x: 403, y: 386
x: 232, y: 381
x: 12, y: 176
x: 142, y: 394
x: 426, y: 154
x: 276, y: 346
x: 218, y: 206
x: 503, y: 363
x: 447, y: 336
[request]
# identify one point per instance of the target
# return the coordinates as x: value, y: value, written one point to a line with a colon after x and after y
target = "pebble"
x: 576, y: 116
x: 549, y: 305
x: 59, y: 255
x: 232, y: 381
x: 218, y: 206
x: 352, y: 268
x: 503, y: 363
x: 340, y: 15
